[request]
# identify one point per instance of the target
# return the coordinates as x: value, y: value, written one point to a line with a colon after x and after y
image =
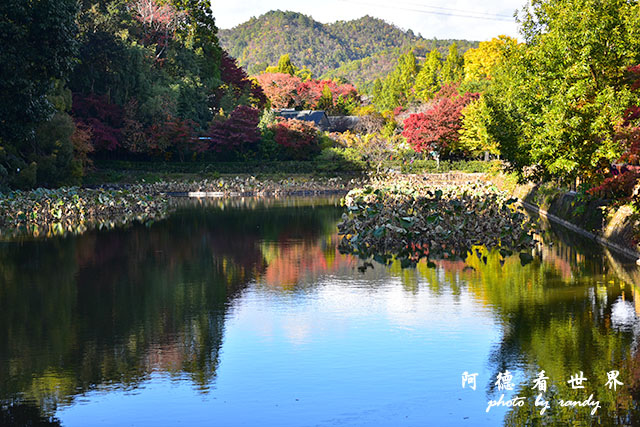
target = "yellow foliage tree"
x: 479, y: 62
x: 474, y: 136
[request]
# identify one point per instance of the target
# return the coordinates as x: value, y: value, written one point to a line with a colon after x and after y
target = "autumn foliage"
x: 299, y: 139
x: 237, y: 134
x: 104, y: 120
x: 437, y: 129
x: 287, y: 91
x: 238, y: 85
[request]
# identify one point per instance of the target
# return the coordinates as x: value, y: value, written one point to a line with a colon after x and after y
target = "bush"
x: 54, y: 158
x: 299, y: 139
x: 237, y: 135
x: 617, y: 187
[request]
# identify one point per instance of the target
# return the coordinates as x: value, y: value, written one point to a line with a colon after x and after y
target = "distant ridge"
x: 326, y: 49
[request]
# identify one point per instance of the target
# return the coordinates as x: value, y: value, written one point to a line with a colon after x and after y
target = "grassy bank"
x: 117, y: 171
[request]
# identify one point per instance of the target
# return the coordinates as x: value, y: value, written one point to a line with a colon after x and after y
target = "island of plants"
x: 408, y: 219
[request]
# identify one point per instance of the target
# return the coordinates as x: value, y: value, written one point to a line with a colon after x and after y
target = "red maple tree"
x: 237, y: 134
x: 437, y: 128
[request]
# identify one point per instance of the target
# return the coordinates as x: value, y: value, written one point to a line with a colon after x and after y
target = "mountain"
x: 358, y: 51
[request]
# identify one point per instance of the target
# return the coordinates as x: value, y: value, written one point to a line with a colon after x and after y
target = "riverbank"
x: 611, y: 224
x: 73, y: 210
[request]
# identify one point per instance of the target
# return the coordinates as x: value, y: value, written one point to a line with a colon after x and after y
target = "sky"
x: 443, y: 19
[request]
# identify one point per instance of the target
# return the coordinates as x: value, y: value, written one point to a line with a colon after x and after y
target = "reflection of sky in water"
x: 624, y: 316
x: 341, y: 353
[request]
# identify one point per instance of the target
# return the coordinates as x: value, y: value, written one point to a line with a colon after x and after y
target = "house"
x: 343, y: 123
x: 319, y: 117
x: 321, y: 120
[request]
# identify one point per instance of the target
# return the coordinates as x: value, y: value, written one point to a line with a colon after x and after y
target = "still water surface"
x: 243, y: 313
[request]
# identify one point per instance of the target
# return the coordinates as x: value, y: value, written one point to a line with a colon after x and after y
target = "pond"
x: 244, y: 313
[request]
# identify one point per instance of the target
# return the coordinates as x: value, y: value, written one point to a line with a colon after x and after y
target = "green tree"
x: 557, y: 99
x: 397, y: 88
x: 453, y: 67
x: 285, y: 65
x: 326, y: 100
x: 427, y: 80
x: 38, y: 47
x: 474, y: 135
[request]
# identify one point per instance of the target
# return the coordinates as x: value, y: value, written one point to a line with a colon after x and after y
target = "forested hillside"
x: 363, y: 72
x: 323, y: 48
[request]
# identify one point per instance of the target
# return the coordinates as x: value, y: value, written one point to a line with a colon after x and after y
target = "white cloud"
x: 442, y: 22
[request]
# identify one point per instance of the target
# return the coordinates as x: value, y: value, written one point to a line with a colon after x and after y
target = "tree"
x: 438, y: 129
x: 326, y: 100
x: 286, y: 91
x: 452, y: 69
x: 159, y: 22
x: 557, y: 99
x: 281, y: 89
x: 38, y: 47
x: 428, y: 79
x: 474, y: 133
x: 200, y: 35
x: 298, y: 138
x: 480, y: 62
x: 397, y: 88
x: 237, y: 135
x: 237, y: 88
x: 285, y: 66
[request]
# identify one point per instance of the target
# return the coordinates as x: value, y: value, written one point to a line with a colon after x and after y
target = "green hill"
x: 354, y: 50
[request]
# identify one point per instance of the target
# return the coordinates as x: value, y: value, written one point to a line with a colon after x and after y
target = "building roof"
x: 318, y: 117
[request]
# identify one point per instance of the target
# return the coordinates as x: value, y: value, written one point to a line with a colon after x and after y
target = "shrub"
x: 54, y: 157
x: 617, y: 187
x: 298, y: 138
x: 104, y: 118
x: 237, y: 135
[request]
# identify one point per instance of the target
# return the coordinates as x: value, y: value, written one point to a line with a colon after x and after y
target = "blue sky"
x: 464, y: 19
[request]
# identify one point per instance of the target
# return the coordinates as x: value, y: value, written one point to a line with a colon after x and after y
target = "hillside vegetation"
x: 323, y: 48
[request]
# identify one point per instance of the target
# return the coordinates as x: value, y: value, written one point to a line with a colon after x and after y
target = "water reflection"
x: 107, y: 310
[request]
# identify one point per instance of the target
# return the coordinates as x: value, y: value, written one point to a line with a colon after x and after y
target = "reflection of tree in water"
x: 25, y: 414
x: 557, y: 317
x: 110, y: 308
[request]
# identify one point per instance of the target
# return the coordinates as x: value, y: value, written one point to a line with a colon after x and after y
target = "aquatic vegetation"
x: 45, y: 213
x: 407, y: 218
x: 73, y: 210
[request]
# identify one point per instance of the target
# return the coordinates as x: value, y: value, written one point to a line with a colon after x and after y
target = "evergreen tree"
x: 326, y: 100
x: 397, y: 88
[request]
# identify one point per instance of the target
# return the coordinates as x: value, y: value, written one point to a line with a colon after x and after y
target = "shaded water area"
x: 243, y: 313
